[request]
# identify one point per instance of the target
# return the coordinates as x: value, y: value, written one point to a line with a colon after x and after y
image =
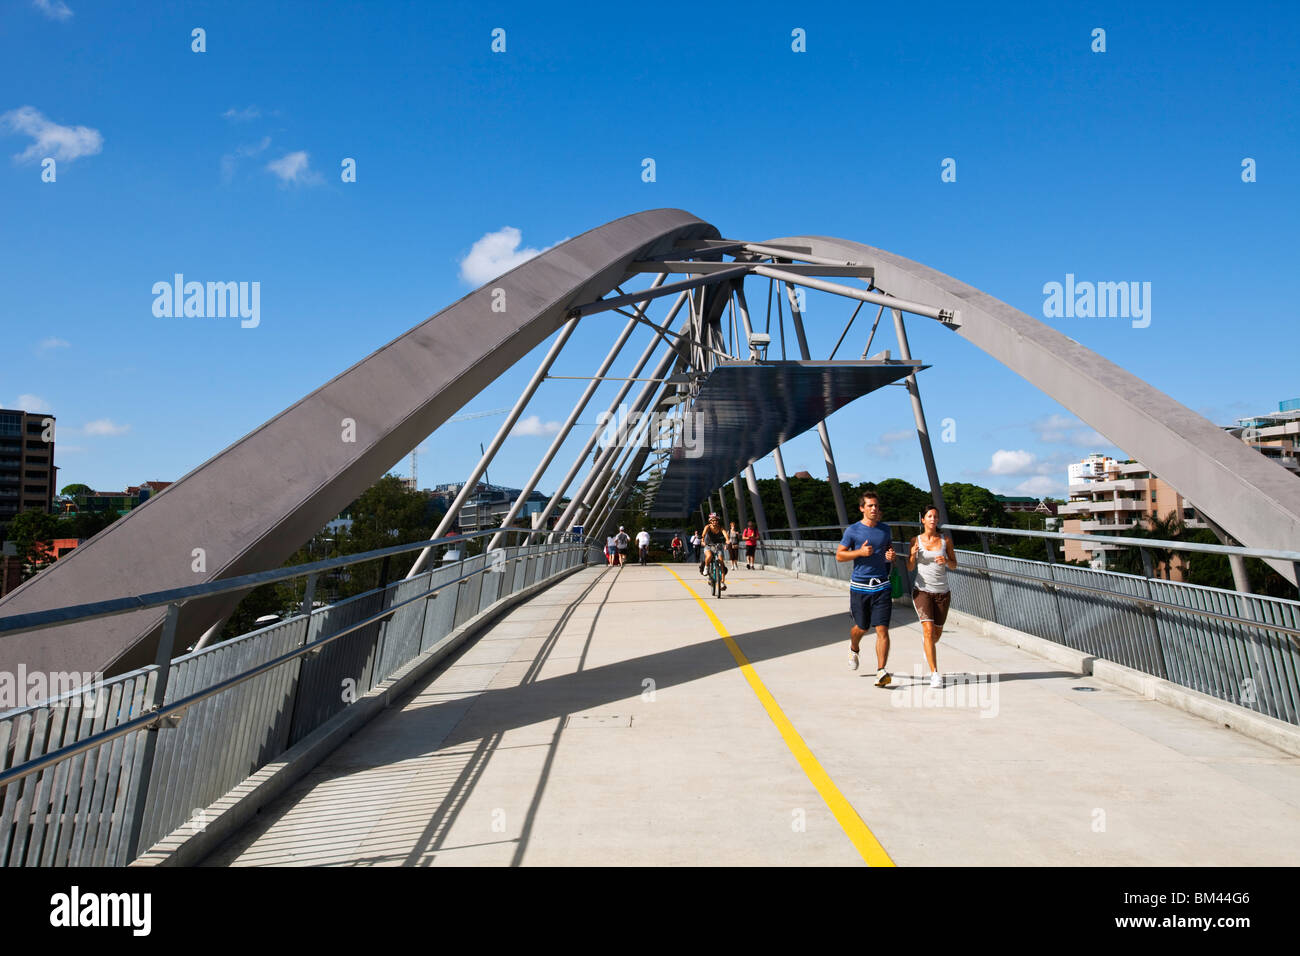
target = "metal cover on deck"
x: 745, y: 409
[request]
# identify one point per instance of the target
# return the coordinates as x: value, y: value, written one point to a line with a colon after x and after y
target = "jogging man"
x: 714, y: 540
x: 869, y: 545
x: 621, y: 541
x: 643, y: 545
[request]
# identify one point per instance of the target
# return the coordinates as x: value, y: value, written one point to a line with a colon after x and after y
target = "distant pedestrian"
x: 695, y: 545
x: 621, y: 541
x: 643, y: 545
x: 751, y: 542
x: 610, y: 550
x: 733, y: 545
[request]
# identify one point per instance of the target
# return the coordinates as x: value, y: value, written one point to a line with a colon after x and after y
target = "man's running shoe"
x: 882, y: 677
x: 936, y: 680
x: 853, y: 660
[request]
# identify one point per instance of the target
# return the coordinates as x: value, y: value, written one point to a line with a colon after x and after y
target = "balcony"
x: 1087, y: 526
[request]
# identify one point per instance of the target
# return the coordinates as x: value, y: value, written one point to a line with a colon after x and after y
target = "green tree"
x: 25, y: 529
x: 73, y: 490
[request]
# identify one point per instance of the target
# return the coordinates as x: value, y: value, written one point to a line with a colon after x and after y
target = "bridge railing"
x: 96, y: 775
x: 1241, y: 648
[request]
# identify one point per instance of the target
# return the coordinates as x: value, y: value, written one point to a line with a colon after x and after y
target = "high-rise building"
x: 1113, y: 497
x: 27, y: 471
x: 1275, y: 435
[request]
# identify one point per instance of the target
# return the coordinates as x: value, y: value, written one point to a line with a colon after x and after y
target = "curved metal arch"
x: 1255, y: 500
x: 252, y: 505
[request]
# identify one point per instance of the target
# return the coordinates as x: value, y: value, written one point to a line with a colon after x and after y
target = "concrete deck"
x: 607, y: 722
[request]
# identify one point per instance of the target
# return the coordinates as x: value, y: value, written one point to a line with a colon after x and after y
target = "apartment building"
x: 1275, y: 435
x: 27, y: 472
x: 1113, y: 497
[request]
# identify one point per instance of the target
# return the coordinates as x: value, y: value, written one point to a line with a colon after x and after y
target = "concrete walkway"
x: 607, y: 722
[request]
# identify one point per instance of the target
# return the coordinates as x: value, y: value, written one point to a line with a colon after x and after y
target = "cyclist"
x: 677, y: 547
x: 714, y: 541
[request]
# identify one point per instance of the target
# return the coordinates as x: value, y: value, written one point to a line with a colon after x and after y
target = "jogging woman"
x: 931, y: 557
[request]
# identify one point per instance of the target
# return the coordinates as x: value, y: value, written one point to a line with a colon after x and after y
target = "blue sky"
x: 225, y: 165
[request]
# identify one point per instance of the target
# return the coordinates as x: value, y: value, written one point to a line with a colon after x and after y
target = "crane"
x: 415, y: 452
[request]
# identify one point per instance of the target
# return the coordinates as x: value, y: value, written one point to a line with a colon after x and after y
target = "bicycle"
x: 715, y: 576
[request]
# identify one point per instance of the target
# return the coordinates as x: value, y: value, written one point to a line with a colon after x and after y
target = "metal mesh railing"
x: 82, y: 807
x: 1240, y: 648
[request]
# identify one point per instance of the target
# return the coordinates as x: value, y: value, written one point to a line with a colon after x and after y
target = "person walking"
x: 699, y: 549
x: 751, y: 542
x: 931, y: 556
x: 695, y: 544
x: 643, y: 546
x: 609, y: 550
x: 869, y: 545
x: 733, y: 545
x: 621, y: 541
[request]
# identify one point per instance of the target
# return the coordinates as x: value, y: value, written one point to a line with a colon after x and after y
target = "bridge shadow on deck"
x: 479, y: 720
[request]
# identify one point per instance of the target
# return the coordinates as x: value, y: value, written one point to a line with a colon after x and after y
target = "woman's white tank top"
x: 931, y: 576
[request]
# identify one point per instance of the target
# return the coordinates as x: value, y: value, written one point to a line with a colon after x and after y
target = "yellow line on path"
x: 857, y: 831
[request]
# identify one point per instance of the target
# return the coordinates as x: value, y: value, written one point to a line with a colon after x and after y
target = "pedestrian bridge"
x: 623, y: 716
x: 540, y: 710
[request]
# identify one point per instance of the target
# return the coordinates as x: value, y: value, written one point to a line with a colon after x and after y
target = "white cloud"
x: 1011, y: 462
x: 532, y: 425
x: 33, y: 403
x: 242, y: 116
x: 496, y: 253
x: 295, y: 169
x: 1041, y: 486
x: 104, y: 426
x: 231, y: 160
x: 52, y: 343
x: 63, y: 143
x: 884, y: 447
x: 54, y: 9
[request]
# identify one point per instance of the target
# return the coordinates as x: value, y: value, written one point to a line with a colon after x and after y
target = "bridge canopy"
x: 746, y: 409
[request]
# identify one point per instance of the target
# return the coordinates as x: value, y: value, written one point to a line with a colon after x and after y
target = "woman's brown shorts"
x: 930, y: 606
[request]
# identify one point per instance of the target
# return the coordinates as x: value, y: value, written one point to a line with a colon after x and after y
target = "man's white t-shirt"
x: 643, y: 539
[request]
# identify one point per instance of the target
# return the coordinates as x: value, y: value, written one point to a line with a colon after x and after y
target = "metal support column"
x: 742, y: 517
x: 471, y: 484
x: 922, y: 431
x: 832, y: 473
x: 563, y: 433
x: 755, y: 499
x: 785, y: 493
x: 581, y: 458
x: 157, y: 697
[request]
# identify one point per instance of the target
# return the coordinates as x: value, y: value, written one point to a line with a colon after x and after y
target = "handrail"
x: 154, y: 717
x: 1050, y: 583
x: 36, y: 620
x: 1161, y: 543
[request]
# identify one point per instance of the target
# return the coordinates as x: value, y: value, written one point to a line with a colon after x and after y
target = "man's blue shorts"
x: 871, y: 608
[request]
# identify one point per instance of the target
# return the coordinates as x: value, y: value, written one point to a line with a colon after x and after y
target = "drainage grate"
x: 1089, y: 690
